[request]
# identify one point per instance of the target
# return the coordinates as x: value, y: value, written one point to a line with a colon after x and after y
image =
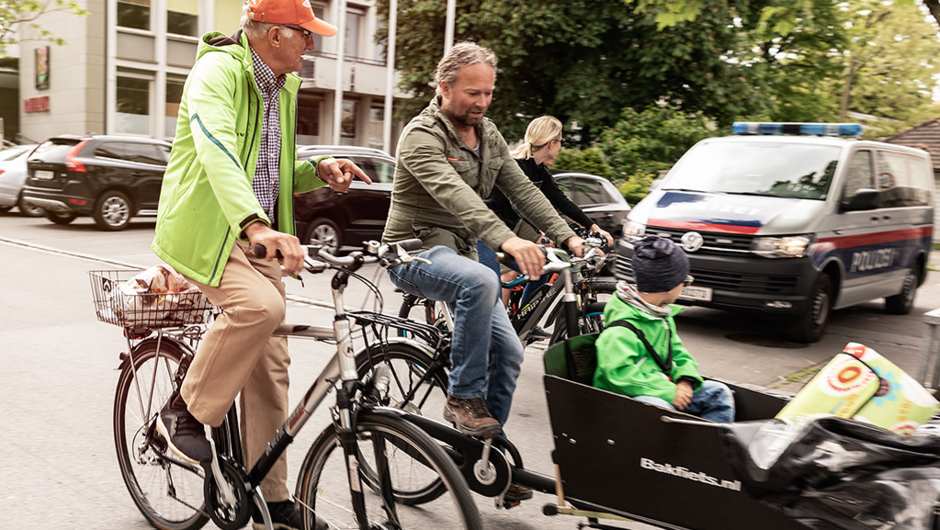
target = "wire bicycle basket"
x: 125, y: 298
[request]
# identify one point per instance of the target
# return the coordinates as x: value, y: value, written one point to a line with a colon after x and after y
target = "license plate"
x: 702, y: 294
x: 43, y: 174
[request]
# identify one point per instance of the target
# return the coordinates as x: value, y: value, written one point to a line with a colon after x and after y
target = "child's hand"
x: 683, y: 395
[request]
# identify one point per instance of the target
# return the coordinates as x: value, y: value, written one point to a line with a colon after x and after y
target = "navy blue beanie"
x: 659, y: 265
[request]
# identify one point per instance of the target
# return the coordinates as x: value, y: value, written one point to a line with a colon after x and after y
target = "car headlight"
x: 633, y: 231
x: 781, y: 247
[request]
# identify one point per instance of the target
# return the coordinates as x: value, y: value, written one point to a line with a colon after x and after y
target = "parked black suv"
x: 334, y: 219
x: 112, y: 178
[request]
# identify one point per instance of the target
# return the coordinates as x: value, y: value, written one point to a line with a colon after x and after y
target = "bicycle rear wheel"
x: 323, y: 485
x: 421, y: 310
x: 168, y: 495
x: 417, y: 385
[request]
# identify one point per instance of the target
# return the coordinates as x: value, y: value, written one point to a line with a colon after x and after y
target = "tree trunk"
x: 847, y: 90
x: 934, y: 7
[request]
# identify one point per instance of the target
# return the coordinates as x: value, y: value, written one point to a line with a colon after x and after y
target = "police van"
x: 792, y: 221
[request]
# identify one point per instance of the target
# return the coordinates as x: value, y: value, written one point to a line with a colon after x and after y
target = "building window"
x: 182, y: 17
x: 354, y: 20
x: 318, y: 39
x: 308, y: 119
x: 134, y: 14
x: 348, y: 125
x: 133, y: 105
x: 376, y: 121
x: 174, y: 95
x: 379, y: 49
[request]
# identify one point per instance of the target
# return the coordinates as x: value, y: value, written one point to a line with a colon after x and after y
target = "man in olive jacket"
x: 449, y: 158
x: 229, y: 185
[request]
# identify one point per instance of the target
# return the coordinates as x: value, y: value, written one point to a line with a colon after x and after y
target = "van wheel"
x: 325, y: 233
x: 59, y: 218
x: 903, y: 302
x: 809, y: 327
x: 113, y: 211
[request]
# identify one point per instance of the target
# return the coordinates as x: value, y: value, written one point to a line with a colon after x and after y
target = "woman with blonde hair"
x: 543, y: 141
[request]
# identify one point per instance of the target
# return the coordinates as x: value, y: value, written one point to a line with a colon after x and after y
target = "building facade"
x: 124, y: 65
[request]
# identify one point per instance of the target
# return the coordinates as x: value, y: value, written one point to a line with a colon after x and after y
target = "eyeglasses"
x: 304, y: 32
x: 560, y: 140
x: 688, y: 281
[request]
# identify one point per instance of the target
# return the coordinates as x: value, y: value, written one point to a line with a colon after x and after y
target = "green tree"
x: 584, y: 60
x: 18, y: 20
x: 889, y: 66
x: 590, y: 160
x: 652, y: 140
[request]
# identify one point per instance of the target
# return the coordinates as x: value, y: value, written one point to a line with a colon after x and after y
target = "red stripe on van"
x: 862, y: 240
x: 703, y: 227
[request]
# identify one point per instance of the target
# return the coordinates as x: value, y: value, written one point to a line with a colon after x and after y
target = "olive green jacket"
x: 440, y: 184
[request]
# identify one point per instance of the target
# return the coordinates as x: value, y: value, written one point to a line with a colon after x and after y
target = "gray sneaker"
x: 183, y: 433
x: 471, y: 416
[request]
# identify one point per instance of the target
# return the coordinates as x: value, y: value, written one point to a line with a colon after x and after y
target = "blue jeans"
x: 713, y: 401
x: 488, y: 258
x: 486, y: 355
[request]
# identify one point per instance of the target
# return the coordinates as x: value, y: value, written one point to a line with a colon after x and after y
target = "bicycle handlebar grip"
x: 409, y: 244
x: 260, y: 251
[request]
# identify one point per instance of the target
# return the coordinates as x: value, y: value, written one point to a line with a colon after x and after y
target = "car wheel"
x: 59, y: 218
x: 28, y: 209
x: 903, y: 302
x: 326, y: 233
x: 113, y: 211
x: 809, y: 327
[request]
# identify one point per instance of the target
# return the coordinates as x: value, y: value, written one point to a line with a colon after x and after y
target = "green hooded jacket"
x: 623, y: 364
x: 440, y: 184
x: 206, y: 200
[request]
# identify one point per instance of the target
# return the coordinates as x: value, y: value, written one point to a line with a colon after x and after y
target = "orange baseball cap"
x: 289, y: 12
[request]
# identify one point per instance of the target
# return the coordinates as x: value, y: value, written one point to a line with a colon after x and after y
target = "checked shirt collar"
x: 265, y: 182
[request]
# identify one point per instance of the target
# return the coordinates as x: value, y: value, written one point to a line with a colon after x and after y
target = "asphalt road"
x: 57, y: 381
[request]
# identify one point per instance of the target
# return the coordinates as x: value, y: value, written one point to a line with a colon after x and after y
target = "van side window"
x: 859, y: 174
x: 901, y: 180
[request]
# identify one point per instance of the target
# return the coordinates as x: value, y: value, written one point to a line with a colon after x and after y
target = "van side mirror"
x: 864, y: 199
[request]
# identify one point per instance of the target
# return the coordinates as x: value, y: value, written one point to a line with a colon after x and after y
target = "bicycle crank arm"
x: 490, y: 477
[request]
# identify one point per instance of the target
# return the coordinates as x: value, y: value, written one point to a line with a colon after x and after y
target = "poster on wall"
x: 42, y: 67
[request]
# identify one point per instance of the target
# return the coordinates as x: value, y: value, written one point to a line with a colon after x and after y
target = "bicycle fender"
x: 183, y: 349
x: 425, y: 348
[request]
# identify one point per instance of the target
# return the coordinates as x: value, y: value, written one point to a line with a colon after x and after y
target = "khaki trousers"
x: 239, y: 355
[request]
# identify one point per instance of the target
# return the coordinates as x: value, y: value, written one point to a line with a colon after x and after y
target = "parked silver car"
x: 12, y: 177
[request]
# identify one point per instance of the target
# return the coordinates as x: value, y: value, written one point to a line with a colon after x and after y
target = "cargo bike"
x: 619, y: 460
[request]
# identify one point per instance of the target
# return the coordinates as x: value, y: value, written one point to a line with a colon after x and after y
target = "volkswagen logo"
x: 692, y: 241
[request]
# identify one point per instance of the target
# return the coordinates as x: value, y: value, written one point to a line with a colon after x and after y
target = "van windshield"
x: 773, y: 169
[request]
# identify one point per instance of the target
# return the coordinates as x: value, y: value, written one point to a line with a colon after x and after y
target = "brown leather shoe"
x: 471, y: 416
x: 517, y: 492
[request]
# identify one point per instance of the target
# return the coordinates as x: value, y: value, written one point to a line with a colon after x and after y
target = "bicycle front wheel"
x: 403, y: 455
x: 594, y: 296
x: 168, y: 495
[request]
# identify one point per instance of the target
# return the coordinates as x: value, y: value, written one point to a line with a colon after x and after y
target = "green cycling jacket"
x: 206, y: 200
x: 440, y: 184
x: 623, y: 364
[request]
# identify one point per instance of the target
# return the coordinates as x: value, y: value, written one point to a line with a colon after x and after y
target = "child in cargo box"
x: 639, y: 353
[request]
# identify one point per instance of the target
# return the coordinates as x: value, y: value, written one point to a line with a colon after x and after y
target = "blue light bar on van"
x: 817, y: 129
